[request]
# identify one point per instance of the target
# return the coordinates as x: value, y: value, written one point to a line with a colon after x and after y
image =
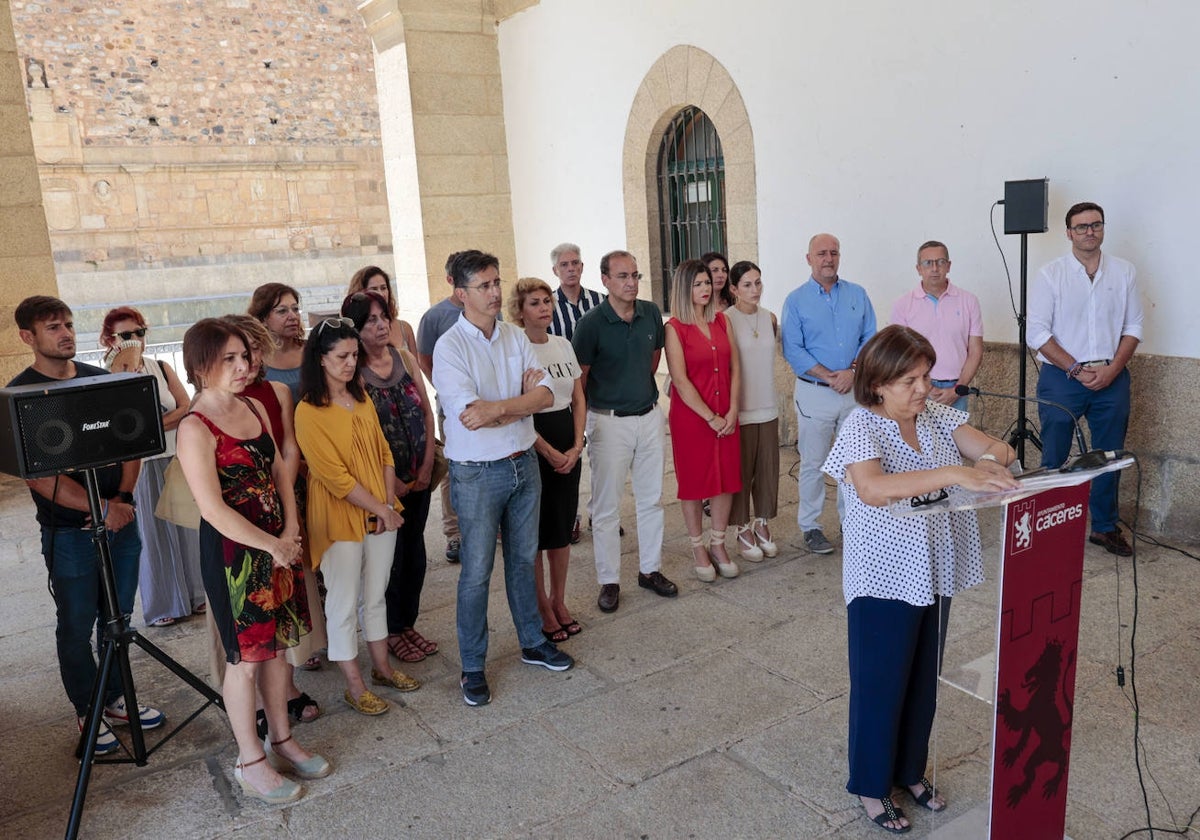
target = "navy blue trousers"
x: 1107, y: 414
x: 895, y: 656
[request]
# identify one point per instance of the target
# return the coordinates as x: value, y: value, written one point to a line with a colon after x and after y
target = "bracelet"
x: 987, y: 456
x: 1074, y: 371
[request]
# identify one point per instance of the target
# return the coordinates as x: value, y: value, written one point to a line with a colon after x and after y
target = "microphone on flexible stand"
x: 964, y: 390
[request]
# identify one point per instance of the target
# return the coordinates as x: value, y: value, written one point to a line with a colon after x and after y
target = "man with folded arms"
x: 618, y: 344
x: 490, y: 384
x: 1085, y: 321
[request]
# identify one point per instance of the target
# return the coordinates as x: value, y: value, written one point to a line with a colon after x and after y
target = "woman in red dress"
x: 705, y: 381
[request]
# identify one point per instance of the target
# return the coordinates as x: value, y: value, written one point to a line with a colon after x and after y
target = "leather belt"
x: 814, y: 382
x: 1096, y: 363
x: 616, y: 412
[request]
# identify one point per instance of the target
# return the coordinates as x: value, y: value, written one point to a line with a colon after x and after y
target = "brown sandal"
x: 403, y: 649
x: 424, y: 645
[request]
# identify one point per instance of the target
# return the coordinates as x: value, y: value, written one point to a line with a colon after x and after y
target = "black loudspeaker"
x: 1026, y: 205
x: 76, y: 424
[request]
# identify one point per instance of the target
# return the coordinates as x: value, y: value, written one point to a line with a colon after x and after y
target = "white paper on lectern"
x: 960, y: 499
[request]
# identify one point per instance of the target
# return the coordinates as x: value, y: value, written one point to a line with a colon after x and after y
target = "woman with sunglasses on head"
x: 372, y: 278
x: 250, y: 550
x: 394, y: 384
x: 278, y: 307
x: 169, y: 573
x: 756, y: 332
x: 352, y: 522
x: 899, y: 573
x: 277, y: 401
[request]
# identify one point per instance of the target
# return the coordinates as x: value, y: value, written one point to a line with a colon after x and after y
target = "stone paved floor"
x: 719, y: 714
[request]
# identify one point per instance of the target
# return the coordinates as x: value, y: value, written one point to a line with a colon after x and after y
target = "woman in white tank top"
x: 756, y: 331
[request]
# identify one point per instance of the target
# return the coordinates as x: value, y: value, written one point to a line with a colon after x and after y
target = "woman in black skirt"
x: 559, y: 445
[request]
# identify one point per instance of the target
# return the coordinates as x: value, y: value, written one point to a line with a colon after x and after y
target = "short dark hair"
x: 267, y: 296
x: 39, y: 308
x: 739, y: 269
x: 888, y: 355
x: 470, y: 263
x: 203, y: 344
x: 357, y: 307
x: 933, y: 243
x: 607, y: 258
x: 321, y: 338
x: 1083, y: 207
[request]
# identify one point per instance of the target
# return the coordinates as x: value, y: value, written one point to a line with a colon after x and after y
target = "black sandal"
x: 297, y: 706
x: 890, y: 814
x: 925, y: 800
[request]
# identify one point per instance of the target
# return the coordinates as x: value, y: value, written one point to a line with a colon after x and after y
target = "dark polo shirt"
x: 619, y: 356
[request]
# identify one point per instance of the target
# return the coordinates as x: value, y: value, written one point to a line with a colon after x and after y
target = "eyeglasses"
x: 281, y: 311
x: 941, y: 262
x: 140, y: 332
x: 1094, y: 227
x: 623, y: 276
x: 334, y: 323
x: 929, y: 498
x: 484, y: 287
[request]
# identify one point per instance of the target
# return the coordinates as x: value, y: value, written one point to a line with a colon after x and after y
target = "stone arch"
x: 686, y: 75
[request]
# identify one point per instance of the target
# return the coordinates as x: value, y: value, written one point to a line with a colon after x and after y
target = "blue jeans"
x: 1107, y: 414
x: 502, y: 495
x: 78, y: 597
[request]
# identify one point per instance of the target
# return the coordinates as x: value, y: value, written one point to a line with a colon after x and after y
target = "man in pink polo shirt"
x: 949, y: 317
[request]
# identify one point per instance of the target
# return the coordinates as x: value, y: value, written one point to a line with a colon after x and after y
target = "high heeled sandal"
x: 746, y: 544
x: 762, y: 535
x: 287, y: 790
x: 706, y: 573
x: 313, y: 767
x: 728, y: 569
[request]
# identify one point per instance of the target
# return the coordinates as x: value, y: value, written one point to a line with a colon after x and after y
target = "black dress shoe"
x: 1112, y: 541
x: 610, y: 597
x: 659, y: 584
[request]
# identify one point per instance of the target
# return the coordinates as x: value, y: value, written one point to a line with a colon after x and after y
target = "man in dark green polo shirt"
x: 618, y: 344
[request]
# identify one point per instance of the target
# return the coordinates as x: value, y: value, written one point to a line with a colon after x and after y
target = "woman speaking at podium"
x: 899, y: 574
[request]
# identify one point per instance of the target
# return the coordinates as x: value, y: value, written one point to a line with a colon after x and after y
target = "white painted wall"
x: 886, y: 124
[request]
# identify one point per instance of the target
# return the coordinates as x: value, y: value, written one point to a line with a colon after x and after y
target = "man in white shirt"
x: 949, y: 318
x: 1085, y: 321
x: 490, y: 384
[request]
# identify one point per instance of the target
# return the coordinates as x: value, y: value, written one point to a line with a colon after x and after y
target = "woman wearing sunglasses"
x: 169, y: 571
x: 351, y: 520
x: 899, y: 573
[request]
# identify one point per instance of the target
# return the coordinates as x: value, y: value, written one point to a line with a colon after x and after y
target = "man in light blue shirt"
x: 826, y: 321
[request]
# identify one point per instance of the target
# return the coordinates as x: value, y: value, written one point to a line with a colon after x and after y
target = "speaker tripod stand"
x: 118, y: 638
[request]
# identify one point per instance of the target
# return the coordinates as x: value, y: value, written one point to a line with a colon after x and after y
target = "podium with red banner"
x: 1040, y: 583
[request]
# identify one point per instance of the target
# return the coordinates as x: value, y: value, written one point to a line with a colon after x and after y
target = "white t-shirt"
x: 558, y: 358
x: 907, y: 559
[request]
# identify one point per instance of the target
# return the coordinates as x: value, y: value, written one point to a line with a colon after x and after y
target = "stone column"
x: 438, y: 76
x: 26, y: 265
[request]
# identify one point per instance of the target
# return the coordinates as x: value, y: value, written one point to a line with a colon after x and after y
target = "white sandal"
x: 763, y: 537
x: 727, y: 570
x: 706, y: 573
x: 746, y: 544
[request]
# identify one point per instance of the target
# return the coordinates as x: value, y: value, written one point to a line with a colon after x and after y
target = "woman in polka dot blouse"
x: 899, y: 574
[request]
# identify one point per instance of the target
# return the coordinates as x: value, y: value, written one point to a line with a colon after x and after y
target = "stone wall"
x: 192, y: 151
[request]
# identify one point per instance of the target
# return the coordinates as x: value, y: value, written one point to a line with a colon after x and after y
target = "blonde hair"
x: 516, y: 302
x: 681, y: 292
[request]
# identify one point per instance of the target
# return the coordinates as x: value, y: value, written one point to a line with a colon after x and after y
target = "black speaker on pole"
x: 1026, y: 206
x: 77, y: 424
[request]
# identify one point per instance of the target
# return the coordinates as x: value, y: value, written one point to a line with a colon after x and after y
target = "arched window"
x: 691, y: 189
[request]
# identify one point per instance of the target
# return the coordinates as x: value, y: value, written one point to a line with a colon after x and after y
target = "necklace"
x: 757, y: 313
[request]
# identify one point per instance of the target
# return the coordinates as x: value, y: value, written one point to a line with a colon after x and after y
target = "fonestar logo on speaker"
x: 94, y: 425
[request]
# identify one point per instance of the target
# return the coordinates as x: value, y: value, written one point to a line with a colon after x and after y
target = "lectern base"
x: 969, y: 826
